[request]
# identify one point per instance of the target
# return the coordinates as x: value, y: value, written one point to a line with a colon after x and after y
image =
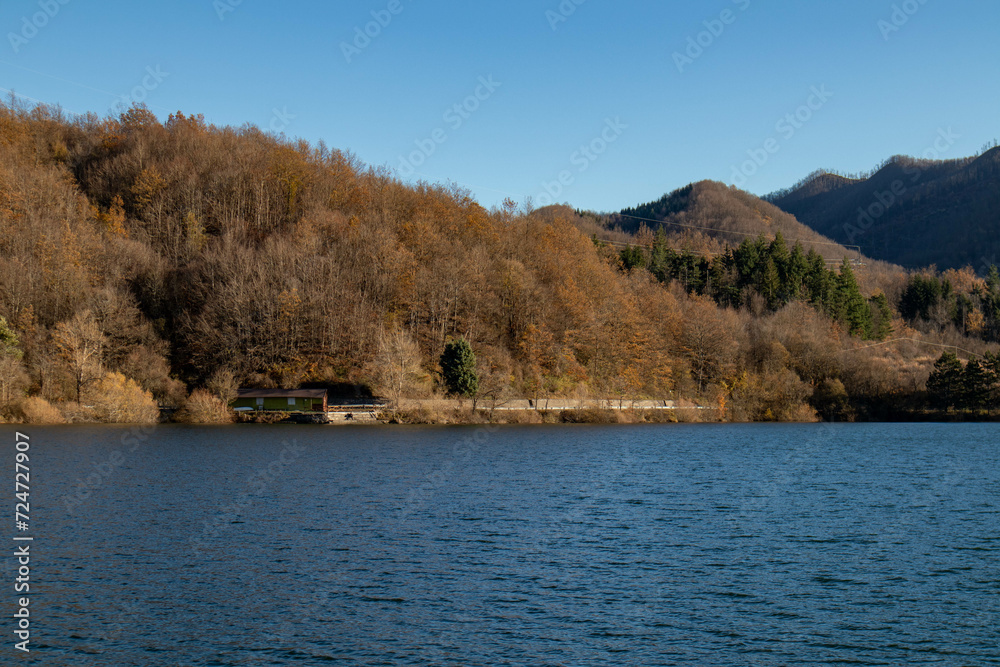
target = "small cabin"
x: 283, y: 400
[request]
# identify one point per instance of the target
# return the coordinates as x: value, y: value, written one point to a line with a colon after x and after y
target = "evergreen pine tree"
x: 747, y: 260
x: 976, y: 382
x: 689, y: 268
x: 778, y: 250
x: 760, y: 253
x: 8, y: 339
x: 798, y: 269
x: 991, y: 303
x: 632, y: 258
x: 659, y: 260
x: 818, y: 280
x: 852, y: 309
x: 458, y: 365
x: 881, y: 317
x: 993, y: 280
x: 770, y: 286
x: 944, y: 385
x: 717, y: 280
x: 991, y: 362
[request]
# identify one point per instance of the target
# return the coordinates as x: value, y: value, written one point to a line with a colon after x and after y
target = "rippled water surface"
x: 700, y: 545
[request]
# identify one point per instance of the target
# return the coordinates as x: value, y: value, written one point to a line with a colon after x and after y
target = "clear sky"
x: 618, y: 100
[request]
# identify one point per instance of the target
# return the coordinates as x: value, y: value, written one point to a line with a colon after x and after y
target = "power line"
x: 915, y: 340
x: 730, y: 231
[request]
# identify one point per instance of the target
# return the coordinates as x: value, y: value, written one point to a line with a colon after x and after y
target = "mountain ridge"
x: 911, y: 212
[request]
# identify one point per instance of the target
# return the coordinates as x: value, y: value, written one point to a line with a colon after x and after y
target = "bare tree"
x: 80, y: 342
x: 494, y: 380
x: 708, y: 341
x: 13, y: 379
x: 223, y: 385
x: 396, y: 369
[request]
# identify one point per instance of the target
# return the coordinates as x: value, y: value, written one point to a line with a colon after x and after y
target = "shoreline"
x: 597, y: 417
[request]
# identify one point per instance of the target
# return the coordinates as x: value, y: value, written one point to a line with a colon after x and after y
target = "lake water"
x: 662, y: 545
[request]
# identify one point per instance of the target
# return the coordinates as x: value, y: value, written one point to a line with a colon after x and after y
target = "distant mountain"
x: 725, y: 214
x: 909, y: 212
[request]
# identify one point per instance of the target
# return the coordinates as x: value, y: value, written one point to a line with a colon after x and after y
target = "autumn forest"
x: 148, y: 265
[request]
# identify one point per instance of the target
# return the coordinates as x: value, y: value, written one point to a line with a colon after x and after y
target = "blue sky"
x: 599, y: 104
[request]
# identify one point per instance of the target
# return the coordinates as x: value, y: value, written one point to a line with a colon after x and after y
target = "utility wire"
x: 728, y: 231
x: 915, y: 340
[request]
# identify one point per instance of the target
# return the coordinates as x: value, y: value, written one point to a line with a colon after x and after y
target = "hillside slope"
x: 168, y: 262
x: 910, y: 212
x: 726, y: 214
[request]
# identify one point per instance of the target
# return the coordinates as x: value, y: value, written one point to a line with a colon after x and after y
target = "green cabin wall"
x: 281, y: 404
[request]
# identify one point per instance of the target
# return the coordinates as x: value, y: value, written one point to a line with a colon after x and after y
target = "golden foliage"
x: 964, y: 280
x: 194, y: 232
x: 119, y: 400
x: 147, y: 187
x: 975, y: 322
x: 36, y: 410
x: 202, y: 407
x: 235, y: 251
x: 114, y: 219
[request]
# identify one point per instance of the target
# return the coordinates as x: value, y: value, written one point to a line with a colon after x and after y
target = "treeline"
x: 183, y: 257
x: 724, y: 212
x: 973, y: 386
x: 768, y: 270
x: 913, y: 212
x: 147, y: 263
x: 957, y: 298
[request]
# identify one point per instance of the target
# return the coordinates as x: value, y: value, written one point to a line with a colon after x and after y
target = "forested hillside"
x: 722, y: 212
x: 910, y: 212
x: 146, y: 262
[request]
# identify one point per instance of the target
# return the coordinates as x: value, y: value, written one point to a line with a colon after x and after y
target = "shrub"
x: 202, y: 407
x: 591, y: 416
x: 119, y: 400
x: 832, y: 401
x: 688, y: 413
x: 152, y: 372
x: 36, y: 410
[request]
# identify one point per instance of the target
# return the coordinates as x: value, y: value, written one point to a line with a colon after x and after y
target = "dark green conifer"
x: 852, y: 309
x: 944, y: 386
x: 881, y: 317
x: 976, y: 387
x: 458, y: 366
